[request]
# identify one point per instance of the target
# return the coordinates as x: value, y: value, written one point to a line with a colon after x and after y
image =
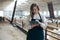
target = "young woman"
x: 36, y: 31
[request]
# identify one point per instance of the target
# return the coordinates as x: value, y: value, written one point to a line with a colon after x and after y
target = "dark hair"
x: 31, y: 9
x: 34, y: 5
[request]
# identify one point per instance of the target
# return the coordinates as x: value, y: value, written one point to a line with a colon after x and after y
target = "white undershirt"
x: 36, y: 16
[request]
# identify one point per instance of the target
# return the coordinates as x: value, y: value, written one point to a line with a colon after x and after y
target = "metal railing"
x: 46, y: 33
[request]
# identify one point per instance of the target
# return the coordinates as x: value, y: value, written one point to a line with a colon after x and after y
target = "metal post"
x: 51, y: 10
x: 14, y: 11
x: 46, y: 34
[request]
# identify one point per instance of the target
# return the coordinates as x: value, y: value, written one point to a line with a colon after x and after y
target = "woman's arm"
x: 44, y: 23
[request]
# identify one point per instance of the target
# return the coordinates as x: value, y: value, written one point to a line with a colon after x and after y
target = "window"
x: 55, y: 13
x: 26, y: 13
x: 1, y: 13
x: 58, y: 13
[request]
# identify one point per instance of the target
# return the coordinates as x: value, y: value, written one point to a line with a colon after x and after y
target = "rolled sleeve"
x: 44, y: 23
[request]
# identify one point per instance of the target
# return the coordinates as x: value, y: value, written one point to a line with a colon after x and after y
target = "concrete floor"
x: 8, y: 32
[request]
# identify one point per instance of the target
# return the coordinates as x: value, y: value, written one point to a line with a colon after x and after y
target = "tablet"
x: 33, y: 22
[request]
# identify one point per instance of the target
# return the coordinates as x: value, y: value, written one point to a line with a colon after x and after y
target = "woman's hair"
x: 31, y: 9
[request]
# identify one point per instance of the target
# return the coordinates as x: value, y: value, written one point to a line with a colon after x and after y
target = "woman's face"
x: 35, y: 10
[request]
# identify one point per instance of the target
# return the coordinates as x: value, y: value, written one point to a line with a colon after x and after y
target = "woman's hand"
x: 34, y: 25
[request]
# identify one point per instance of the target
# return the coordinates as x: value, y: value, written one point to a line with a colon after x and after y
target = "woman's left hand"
x: 34, y: 25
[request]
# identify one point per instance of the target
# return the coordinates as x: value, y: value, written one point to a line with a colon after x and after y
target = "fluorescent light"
x: 14, y: 0
x: 19, y: 2
x: 10, y: 6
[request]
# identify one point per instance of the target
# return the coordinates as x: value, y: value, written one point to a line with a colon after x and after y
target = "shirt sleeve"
x: 44, y: 23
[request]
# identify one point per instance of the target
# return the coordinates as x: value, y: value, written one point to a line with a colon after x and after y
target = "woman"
x: 36, y: 32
